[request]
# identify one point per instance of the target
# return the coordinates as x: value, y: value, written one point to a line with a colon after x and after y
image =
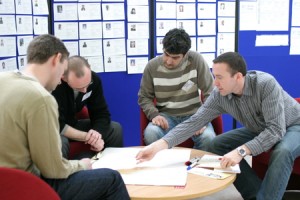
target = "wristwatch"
x: 241, y: 151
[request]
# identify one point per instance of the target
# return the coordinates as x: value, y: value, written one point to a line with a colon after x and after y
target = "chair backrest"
x: 16, y: 184
x: 83, y: 114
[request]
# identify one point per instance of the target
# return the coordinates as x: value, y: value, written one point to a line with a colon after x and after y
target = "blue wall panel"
x: 120, y: 90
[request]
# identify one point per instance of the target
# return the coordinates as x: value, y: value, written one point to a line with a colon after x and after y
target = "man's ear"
x: 64, y: 78
x: 239, y: 75
x: 56, y: 59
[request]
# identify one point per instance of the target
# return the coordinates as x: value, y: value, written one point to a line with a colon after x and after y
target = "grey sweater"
x: 176, y: 91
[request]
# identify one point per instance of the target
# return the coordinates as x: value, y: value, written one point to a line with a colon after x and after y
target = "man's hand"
x: 160, y: 121
x: 230, y: 159
x: 148, y: 152
x: 200, y: 131
x: 94, y: 139
x: 87, y: 162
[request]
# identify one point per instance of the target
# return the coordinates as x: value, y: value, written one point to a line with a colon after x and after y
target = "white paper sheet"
x: 186, y: 11
x: 89, y: 11
x: 248, y: 15
x: 138, y: 13
x: 206, y: 11
x: 188, y: 25
x: 116, y: 63
x: 273, y: 15
x: 296, y: 13
x: 206, y: 44
x: 23, y: 42
x: 114, y: 11
x: 9, y: 64
x: 272, y: 40
x: 206, y: 27
x: 138, y: 30
x: 166, y: 10
x: 166, y: 168
x: 295, y: 41
x: 23, y: 7
x: 137, y: 47
x: 136, y: 65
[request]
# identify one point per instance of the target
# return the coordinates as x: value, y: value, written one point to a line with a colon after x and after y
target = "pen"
x: 187, y: 163
x: 193, y: 164
x: 96, y: 157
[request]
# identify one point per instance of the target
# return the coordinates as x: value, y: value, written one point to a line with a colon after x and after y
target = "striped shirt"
x: 175, y: 90
x: 264, y: 108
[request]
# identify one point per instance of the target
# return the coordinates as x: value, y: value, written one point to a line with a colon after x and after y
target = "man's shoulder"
x: 61, y: 89
x: 194, y: 55
x: 154, y: 62
x: 35, y: 95
x: 260, y: 76
x: 95, y: 77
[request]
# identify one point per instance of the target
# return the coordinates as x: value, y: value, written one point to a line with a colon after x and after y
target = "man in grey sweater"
x: 173, y: 80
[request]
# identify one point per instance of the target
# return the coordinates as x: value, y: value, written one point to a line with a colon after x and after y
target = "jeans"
x: 201, y: 142
x: 280, y: 165
x: 91, y: 185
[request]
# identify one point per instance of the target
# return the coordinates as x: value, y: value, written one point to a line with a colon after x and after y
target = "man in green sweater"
x: 174, y: 80
x: 29, y: 129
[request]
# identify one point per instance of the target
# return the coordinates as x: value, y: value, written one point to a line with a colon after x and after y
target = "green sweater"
x: 176, y: 91
x: 29, y: 129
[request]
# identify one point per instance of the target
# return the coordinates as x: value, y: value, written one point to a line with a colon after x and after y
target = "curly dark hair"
x: 176, y: 41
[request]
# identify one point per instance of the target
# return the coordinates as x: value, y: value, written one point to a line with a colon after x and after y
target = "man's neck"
x: 35, y: 72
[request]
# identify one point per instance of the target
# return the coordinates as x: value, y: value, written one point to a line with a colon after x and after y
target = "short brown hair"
x: 42, y: 47
x: 235, y: 62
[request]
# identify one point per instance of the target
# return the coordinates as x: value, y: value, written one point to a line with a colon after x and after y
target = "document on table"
x: 166, y: 168
x: 213, y: 161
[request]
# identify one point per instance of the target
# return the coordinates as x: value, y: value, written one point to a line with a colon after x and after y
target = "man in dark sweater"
x: 82, y: 87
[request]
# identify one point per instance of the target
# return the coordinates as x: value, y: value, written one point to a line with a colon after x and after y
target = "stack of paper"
x: 166, y: 168
x: 209, y: 166
x: 213, y: 161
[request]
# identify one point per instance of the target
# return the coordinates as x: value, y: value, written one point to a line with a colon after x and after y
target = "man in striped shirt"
x: 271, y: 119
x: 174, y: 80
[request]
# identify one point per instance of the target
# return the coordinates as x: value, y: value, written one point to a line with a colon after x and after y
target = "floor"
x: 229, y: 193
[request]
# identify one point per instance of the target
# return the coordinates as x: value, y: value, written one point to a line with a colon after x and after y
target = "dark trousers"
x: 112, y: 138
x: 91, y: 185
x: 247, y: 182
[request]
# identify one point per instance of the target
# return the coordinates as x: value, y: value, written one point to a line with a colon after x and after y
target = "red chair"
x: 217, y: 124
x: 260, y: 166
x: 17, y: 184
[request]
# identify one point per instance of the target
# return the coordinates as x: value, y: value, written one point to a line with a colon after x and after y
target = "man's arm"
x: 92, y: 137
x: 98, y: 110
x: 148, y: 152
x: 272, y: 108
x: 233, y: 157
x: 73, y: 133
x: 45, y: 143
x: 206, y: 113
x: 146, y: 95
